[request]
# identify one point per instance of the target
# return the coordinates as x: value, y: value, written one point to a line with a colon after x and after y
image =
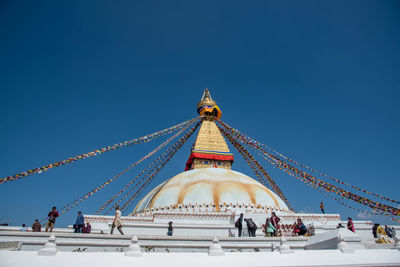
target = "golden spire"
x: 210, y: 149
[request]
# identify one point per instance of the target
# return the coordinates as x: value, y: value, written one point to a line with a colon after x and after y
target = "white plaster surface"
x: 200, y: 186
x: 330, y: 239
x: 384, y: 257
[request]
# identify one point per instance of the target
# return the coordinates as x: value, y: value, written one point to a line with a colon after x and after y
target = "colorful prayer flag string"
x: 318, y: 182
x: 174, y: 149
x: 142, y: 139
x: 89, y: 194
x: 134, y: 179
x: 252, y: 162
x: 321, y: 191
x: 309, y: 168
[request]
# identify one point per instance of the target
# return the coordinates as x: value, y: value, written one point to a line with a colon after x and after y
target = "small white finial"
x: 215, y: 248
x: 284, y: 248
x: 50, y: 248
x: 134, y: 249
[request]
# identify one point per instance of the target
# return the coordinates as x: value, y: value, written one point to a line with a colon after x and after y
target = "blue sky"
x: 316, y: 80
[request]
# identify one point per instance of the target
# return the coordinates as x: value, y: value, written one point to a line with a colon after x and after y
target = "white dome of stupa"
x: 215, y: 188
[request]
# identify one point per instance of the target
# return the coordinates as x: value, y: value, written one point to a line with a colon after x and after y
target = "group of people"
x: 350, y: 225
x: 251, y: 226
x: 385, y: 234
x: 37, y: 227
x: 270, y: 228
x: 79, y: 226
x: 299, y: 228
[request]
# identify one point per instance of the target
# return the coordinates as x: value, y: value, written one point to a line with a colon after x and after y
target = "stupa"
x: 208, y: 192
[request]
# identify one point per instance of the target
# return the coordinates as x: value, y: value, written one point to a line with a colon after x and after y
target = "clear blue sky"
x: 316, y: 80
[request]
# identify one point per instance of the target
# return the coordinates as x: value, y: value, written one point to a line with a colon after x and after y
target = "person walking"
x: 239, y: 224
x: 79, y: 223
x: 170, y: 229
x: 275, y: 222
x: 36, y: 227
x: 350, y: 224
x: 117, y: 221
x: 269, y: 228
x: 321, y: 206
x: 53, y: 214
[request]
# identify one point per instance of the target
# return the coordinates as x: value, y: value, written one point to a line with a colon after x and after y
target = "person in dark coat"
x: 239, y: 224
x: 388, y: 231
x: 302, y: 228
x: 374, y: 230
x: 170, y: 229
x: 251, y: 227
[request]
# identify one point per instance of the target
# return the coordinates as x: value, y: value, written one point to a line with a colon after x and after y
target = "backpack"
x: 237, y: 224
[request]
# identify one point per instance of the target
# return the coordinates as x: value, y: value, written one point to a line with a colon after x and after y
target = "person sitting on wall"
x: 388, y: 231
x: 87, y: 229
x: 36, y: 227
x: 296, y: 230
x: 339, y: 226
x: 394, y: 232
x: 23, y: 228
x: 302, y: 228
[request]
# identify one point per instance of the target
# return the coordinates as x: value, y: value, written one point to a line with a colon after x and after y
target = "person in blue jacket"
x: 80, y: 221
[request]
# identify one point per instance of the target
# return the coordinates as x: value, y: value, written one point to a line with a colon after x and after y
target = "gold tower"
x: 210, y: 149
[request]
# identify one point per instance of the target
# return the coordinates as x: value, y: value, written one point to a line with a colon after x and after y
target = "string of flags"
x: 134, y: 179
x: 316, y: 181
x: 253, y: 163
x: 98, y: 188
x: 308, y: 167
x: 72, y: 204
x: 339, y: 200
x: 96, y: 152
x: 174, y: 149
